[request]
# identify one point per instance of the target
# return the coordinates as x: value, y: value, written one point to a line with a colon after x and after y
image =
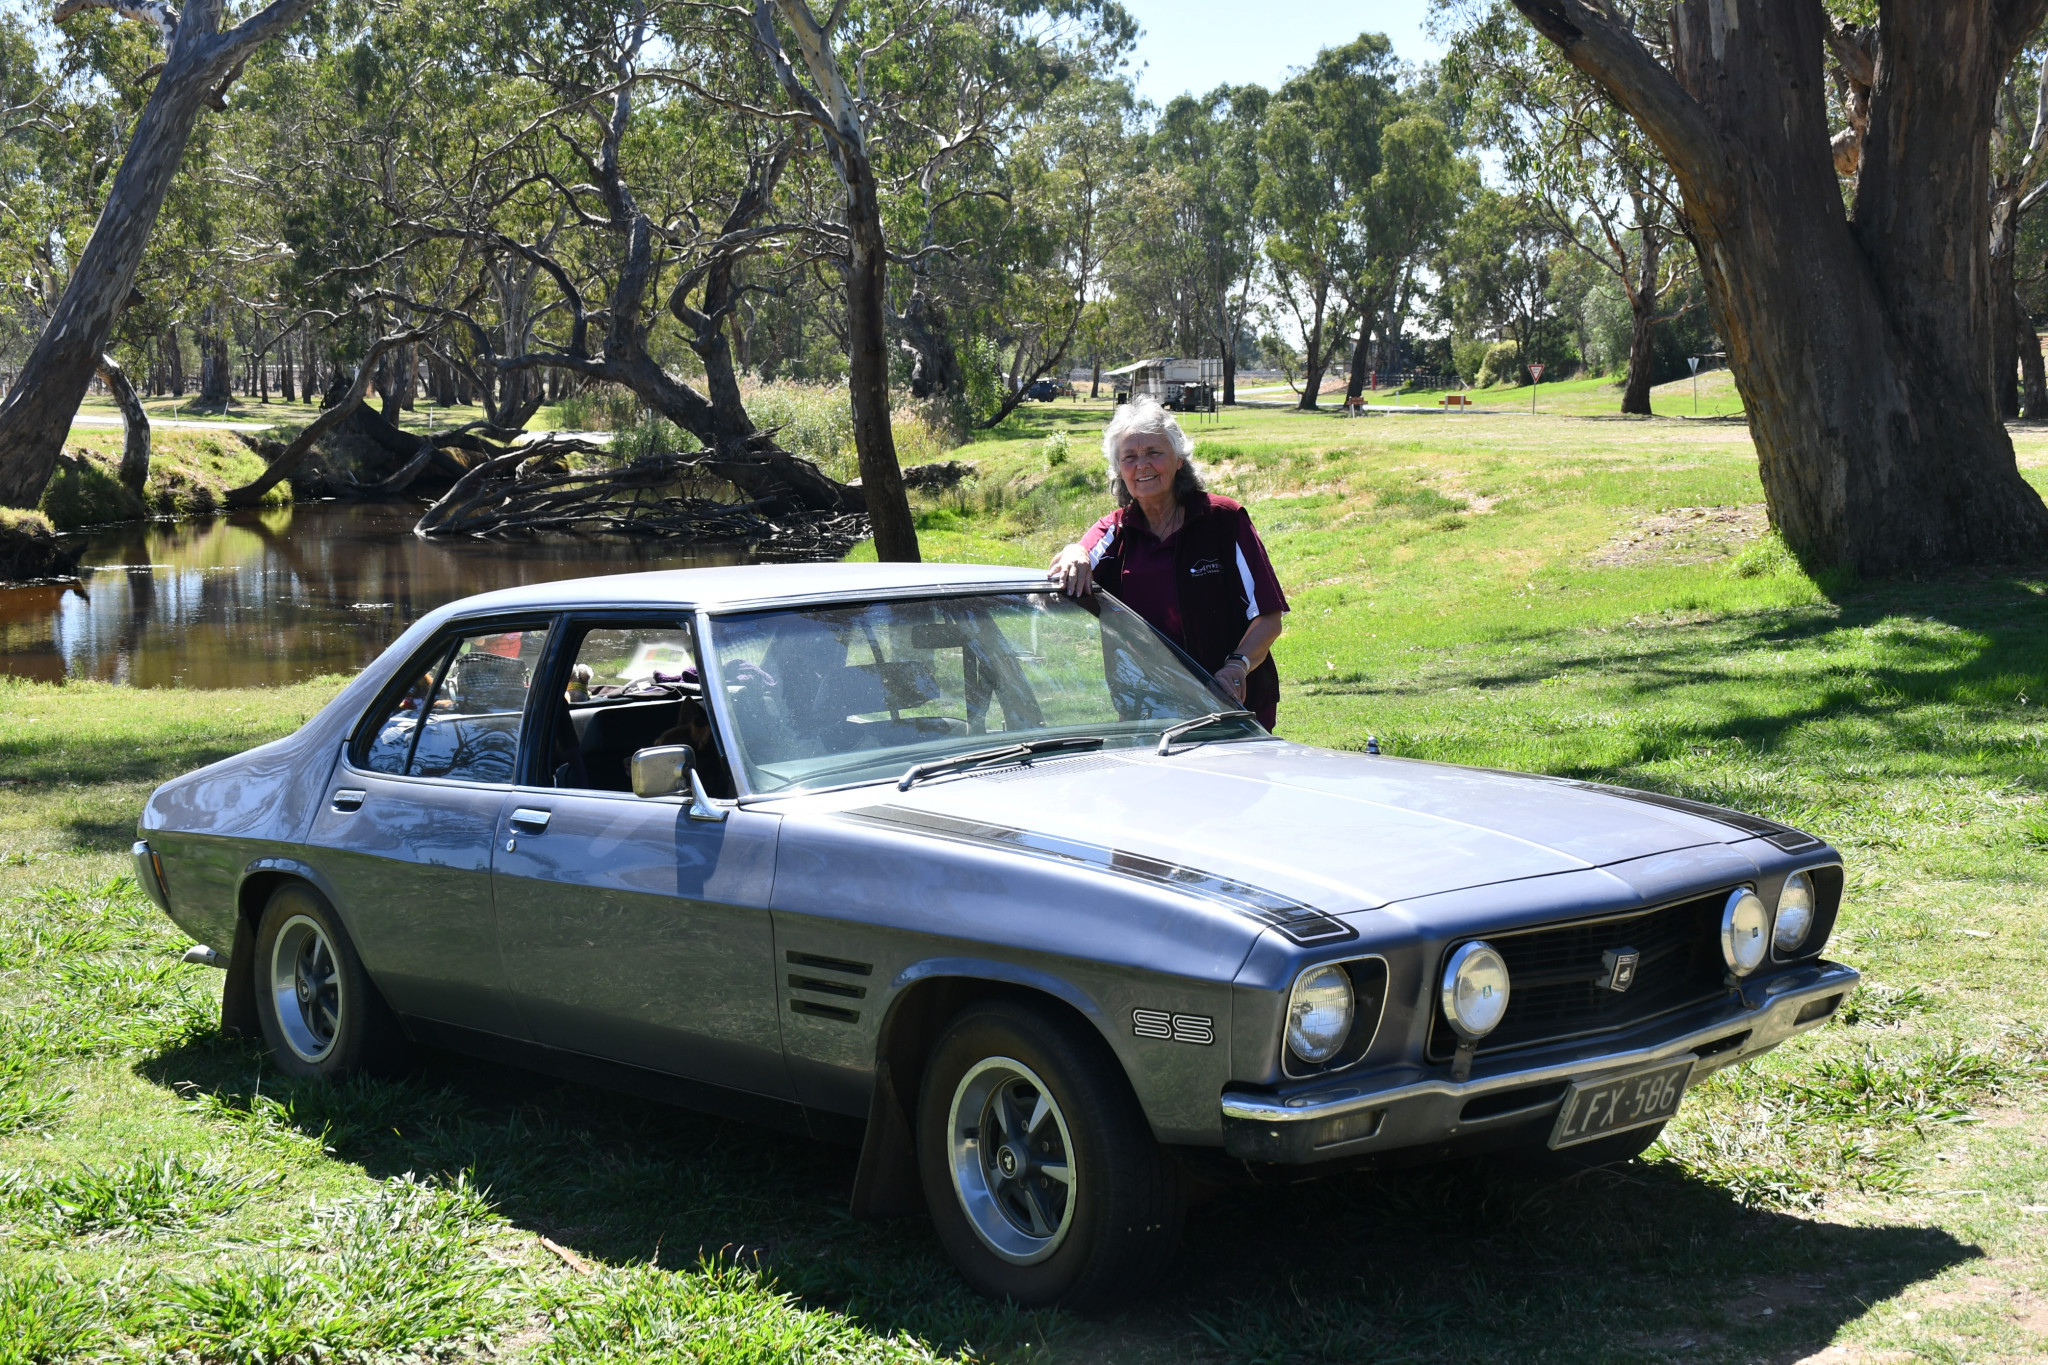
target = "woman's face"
x: 1147, y: 464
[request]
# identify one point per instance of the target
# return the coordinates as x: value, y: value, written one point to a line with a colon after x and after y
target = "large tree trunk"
x: 134, y: 426
x: 2033, y: 381
x: 2005, y: 304
x: 1361, y: 362
x: 1862, y: 348
x: 927, y: 336
x: 867, y: 378
x: 1230, y: 375
x: 216, y: 379
x: 1314, y: 358
x: 1642, y: 358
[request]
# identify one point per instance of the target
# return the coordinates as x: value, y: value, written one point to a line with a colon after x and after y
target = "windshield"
x: 830, y: 695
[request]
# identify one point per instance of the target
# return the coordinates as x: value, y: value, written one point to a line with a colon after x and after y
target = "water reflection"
x: 274, y: 596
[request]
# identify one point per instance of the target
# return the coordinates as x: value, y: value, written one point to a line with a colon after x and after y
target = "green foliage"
x: 723, y: 1311
x: 1503, y: 365
x: 1469, y: 356
x: 811, y: 420
x: 1056, y: 446
x: 1766, y: 557
x: 46, y: 1316
x: 395, y: 1271
x: 148, y: 1196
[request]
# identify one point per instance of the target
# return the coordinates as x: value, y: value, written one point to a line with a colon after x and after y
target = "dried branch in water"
x: 532, y: 490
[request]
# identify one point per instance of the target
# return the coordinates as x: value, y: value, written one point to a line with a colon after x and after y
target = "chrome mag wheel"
x: 306, y: 988
x: 1011, y: 1159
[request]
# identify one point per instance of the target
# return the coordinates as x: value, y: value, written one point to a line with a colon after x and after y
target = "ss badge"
x: 1180, y: 1028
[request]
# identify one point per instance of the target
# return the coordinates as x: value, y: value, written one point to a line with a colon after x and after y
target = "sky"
x: 1193, y: 46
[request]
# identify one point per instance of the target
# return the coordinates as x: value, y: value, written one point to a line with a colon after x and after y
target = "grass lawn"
x: 1554, y: 594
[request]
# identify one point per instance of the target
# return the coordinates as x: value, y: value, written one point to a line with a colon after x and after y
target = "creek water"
x: 276, y: 596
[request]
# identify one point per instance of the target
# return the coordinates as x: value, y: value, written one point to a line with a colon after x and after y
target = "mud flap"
x: 886, y: 1184
x: 238, y: 995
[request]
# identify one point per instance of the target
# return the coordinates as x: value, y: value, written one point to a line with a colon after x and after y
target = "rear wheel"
x: 1041, y: 1173
x: 319, y: 1013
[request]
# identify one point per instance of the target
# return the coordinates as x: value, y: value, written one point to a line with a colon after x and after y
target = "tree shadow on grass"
x: 2000, y: 662
x: 1456, y: 1262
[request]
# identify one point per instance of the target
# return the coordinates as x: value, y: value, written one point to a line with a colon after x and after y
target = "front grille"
x: 1557, y: 975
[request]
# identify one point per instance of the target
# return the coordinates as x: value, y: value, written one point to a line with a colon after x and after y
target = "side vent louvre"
x: 828, y: 964
x: 824, y: 987
x: 812, y: 1007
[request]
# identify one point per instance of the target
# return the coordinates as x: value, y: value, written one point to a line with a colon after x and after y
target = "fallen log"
x: 532, y: 490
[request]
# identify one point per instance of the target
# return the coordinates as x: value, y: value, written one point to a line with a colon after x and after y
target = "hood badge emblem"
x: 1618, y: 969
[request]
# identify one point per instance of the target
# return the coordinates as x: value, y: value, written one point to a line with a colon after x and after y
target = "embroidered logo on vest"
x: 1202, y: 568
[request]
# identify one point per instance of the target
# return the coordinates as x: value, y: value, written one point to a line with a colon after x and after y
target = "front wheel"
x: 1043, y: 1178
x: 320, y: 1015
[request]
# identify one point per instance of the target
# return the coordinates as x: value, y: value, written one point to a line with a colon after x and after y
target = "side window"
x: 631, y: 687
x: 461, y: 717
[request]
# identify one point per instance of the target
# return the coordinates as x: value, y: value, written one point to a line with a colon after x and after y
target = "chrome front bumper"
x: 1351, y: 1117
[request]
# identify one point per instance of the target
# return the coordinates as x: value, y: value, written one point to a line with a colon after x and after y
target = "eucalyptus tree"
x: 1861, y: 340
x: 1496, y: 272
x: 1409, y: 208
x: 201, y: 63
x: 1210, y: 145
x: 1076, y: 206
x: 1318, y: 152
x: 1585, y: 167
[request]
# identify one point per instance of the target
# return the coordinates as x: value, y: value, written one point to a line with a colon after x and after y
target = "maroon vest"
x: 1213, y: 609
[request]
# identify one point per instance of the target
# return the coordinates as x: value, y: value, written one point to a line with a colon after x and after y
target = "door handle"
x: 348, y: 799
x: 527, y: 820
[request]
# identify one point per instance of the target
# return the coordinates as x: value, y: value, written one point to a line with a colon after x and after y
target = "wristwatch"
x: 1239, y: 658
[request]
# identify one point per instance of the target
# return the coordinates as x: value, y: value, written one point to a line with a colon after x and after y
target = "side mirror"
x: 663, y: 771
x: 670, y: 769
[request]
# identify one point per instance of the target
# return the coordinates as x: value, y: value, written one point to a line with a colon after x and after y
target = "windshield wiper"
x: 1009, y: 753
x: 1179, y: 728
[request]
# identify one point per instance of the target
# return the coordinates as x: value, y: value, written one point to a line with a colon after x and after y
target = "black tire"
x: 1115, y: 1218
x: 1588, y: 1156
x: 318, y: 1010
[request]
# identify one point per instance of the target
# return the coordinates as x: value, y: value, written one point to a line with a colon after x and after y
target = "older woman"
x: 1183, y: 558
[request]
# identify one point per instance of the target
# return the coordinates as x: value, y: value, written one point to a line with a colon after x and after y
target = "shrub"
x: 812, y: 420
x: 1468, y: 357
x: 1056, y: 449
x: 84, y: 490
x: 29, y: 547
x: 918, y: 440
x: 1503, y: 365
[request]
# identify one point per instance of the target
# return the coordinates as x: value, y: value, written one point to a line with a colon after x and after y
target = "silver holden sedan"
x: 998, y: 885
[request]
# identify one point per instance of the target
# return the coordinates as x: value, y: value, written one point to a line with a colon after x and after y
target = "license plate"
x: 1614, y: 1104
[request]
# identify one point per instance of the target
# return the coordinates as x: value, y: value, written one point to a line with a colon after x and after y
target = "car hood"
x: 1336, y: 831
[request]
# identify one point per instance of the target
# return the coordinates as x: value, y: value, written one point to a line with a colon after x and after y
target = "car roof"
x: 751, y: 585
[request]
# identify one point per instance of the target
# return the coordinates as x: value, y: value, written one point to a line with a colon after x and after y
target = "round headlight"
x: 1475, y: 990
x: 1795, y: 913
x: 1745, y: 931
x: 1319, y: 1013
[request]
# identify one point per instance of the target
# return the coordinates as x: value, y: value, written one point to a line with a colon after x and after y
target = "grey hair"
x: 1143, y: 415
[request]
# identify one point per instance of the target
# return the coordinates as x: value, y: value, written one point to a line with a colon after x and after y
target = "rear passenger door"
x: 631, y: 931
x: 405, y: 834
